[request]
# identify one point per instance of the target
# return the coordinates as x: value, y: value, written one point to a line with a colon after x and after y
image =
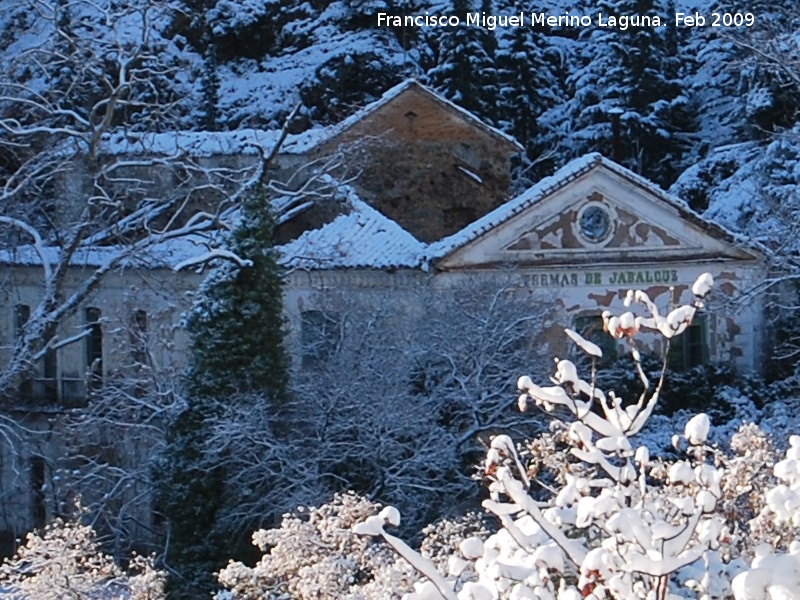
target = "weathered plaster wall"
x: 164, y: 296
x: 734, y: 331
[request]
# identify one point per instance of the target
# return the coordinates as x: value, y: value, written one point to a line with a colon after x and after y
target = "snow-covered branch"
x: 607, y: 523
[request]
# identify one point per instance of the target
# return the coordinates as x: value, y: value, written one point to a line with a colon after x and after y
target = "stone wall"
x: 422, y: 164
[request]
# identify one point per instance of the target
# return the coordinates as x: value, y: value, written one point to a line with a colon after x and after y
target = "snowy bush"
x: 593, y: 515
x: 426, y: 400
x: 64, y: 561
x: 314, y: 555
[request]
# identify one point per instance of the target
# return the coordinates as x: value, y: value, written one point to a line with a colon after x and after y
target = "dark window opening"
x: 48, y: 384
x: 139, y: 353
x: 94, y: 348
x: 690, y: 348
x: 22, y: 314
x: 38, y: 501
x: 591, y: 328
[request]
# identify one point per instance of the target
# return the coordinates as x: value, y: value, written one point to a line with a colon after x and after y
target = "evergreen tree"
x: 466, y: 72
x: 358, y: 73
x: 190, y: 495
x: 236, y: 329
x: 744, y: 79
x: 210, y: 89
x: 766, y: 66
x: 236, y: 323
x: 529, y: 86
x: 631, y: 75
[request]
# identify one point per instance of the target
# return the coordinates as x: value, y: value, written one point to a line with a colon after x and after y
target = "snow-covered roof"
x: 569, y: 172
x: 250, y: 141
x: 362, y: 238
x: 167, y: 254
x: 211, y: 143
x: 409, y: 84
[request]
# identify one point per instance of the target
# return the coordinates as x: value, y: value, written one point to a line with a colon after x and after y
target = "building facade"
x: 423, y: 206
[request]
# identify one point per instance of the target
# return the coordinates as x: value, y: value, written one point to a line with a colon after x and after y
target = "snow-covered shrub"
x: 426, y: 401
x: 775, y: 574
x: 593, y: 515
x: 444, y: 537
x: 314, y: 555
x: 696, y: 389
x: 65, y: 561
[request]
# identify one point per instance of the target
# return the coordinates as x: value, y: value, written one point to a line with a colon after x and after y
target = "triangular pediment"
x: 595, y: 213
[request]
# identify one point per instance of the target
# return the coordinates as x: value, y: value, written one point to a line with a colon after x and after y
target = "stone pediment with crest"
x: 593, y: 211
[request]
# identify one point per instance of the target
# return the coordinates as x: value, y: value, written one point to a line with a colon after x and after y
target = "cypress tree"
x: 236, y: 324
x: 210, y: 88
x: 236, y: 329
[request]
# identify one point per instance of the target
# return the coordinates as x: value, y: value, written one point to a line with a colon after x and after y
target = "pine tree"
x: 210, y: 89
x: 236, y: 328
x: 529, y: 86
x: 466, y: 72
x: 632, y: 74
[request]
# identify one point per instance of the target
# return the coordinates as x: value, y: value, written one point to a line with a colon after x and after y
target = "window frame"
x: 691, y: 348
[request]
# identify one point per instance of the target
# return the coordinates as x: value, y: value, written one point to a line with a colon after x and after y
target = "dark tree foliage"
x: 189, y: 496
x: 630, y: 76
x: 236, y: 328
x: 345, y: 83
x: 770, y: 91
x: 236, y: 324
x: 466, y: 72
x: 210, y: 89
x: 530, y: 84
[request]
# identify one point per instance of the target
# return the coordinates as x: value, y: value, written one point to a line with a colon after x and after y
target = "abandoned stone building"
x: 427, y: 207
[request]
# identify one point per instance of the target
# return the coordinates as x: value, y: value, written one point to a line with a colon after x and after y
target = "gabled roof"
x: 562, y: 177
x: 413, y: 84
x: 248, y: 141
x: 361, y: 238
